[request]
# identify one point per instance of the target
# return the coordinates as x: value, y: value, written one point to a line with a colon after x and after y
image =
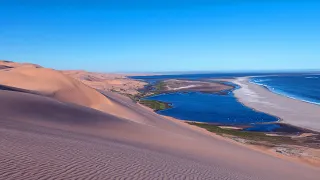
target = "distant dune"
x: 107, y: 82
x: 11, y: 64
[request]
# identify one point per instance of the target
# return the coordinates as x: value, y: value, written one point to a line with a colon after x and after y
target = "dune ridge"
x: 53, y: 84
x: 10, y: 64
x: 57, y: 85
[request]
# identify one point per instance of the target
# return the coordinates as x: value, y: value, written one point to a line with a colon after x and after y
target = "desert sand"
x: 107, y: 81
x: 50, y: 136
x: 290, y: 111
x: 57, y: 85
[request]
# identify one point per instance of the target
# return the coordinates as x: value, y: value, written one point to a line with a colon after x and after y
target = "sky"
x: 162, y: 35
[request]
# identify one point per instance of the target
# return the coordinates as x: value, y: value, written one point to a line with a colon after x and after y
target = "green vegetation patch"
x: 160, y: 86
x: 155, y: 105
x: 257, y: 137
x: 134, y: 98
x: 149, y: 90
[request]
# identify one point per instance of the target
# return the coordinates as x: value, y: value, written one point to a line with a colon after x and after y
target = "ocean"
x: 301, y: 87
x: 225, y: 109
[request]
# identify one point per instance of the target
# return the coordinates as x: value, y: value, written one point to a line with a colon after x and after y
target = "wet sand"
x: 290, y: 111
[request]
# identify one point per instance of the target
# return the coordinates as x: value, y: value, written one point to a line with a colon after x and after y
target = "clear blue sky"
x: 162, y: 35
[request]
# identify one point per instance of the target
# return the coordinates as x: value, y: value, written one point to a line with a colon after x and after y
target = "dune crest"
x: 10, y: 64
x: 55, y: 84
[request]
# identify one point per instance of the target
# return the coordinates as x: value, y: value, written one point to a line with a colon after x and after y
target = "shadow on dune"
x: 19, y: 104
x: 4, y: 67
x: 9, y: 88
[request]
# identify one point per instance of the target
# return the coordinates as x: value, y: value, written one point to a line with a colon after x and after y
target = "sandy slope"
x: 45, y: 138
x: 290, y: 111
x: 62, y: 141
x: 57, y: 85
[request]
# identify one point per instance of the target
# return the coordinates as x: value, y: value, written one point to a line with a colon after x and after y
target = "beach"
x: 288, y: 110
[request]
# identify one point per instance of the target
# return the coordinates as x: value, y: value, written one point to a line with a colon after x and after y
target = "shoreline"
x: 284, y: 94
x: 287, y: 110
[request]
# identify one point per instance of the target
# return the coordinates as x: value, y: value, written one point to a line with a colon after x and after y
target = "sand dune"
x: 55, y: 84
x: 52, y: 83
x: 45, y: 136
x: 58, y: 140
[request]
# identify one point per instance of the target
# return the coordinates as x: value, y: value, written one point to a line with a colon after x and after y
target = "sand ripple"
x: 59, y: 155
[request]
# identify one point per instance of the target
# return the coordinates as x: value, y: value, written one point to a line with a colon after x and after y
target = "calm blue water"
x: 211, y: 108
x: 303, y: 87
x: 225, y: 109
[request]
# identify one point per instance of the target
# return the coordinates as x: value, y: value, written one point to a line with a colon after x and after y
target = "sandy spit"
x: 290, y: 111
